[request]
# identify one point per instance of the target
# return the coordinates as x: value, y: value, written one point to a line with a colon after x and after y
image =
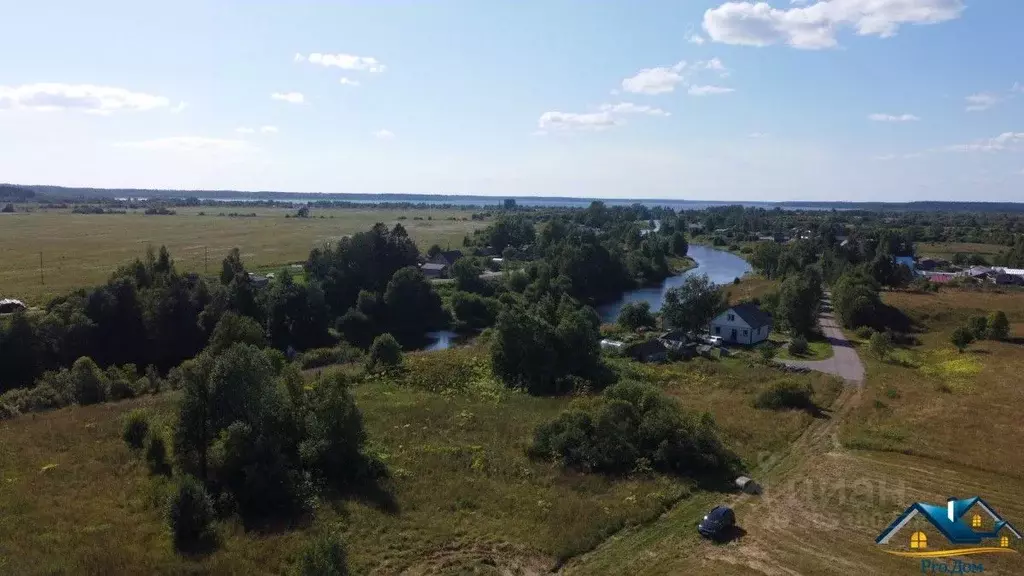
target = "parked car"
x: 718, y: 522
x: 714, y: 340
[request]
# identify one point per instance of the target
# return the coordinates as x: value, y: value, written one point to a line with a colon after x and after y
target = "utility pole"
x: 42, y: 280
x: 206, y: 260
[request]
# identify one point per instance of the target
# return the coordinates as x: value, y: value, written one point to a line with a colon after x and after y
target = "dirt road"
x: 844, y: 362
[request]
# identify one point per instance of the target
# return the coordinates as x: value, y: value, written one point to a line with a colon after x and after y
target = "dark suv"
x: 717, y: 523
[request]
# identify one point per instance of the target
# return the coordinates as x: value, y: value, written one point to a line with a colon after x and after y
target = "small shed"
x: 747, y: 485
x: 433, y: 270
x: 649, y: 351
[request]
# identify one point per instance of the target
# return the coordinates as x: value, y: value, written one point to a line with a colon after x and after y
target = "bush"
x: 122, y: 385
x: 767, y: 352
x: 136, y: 427
x: 90, y: 383
x: 786, y: 395
x: 156, y: 455
x: 633, y: 424
x: 798, y: 345
x: 978, y: 325
x: 636, y: 315
x: 190, y: 516
x: 961, y: 338
x: 865, y: 332
x: 323, y: 556
x: 998, y: 325
x: 319, y: 357
x: 384, y: 353
x: 880, y: 345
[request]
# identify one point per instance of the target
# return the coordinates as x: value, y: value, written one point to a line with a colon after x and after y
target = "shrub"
x: 384, y: 353
x: 998, y: 325
x: 786, y: 395
x: 136, y: 427
x: 736, y: 280
x: 767, y: 352
x: 634, y: 426
x: 323, y: 556
x: 636, y: 315
x: 190, y: 516
x: 880, y: 345
x: 122, y: 383
x: 319, y: 357
x: 961, y: 338
x: 798, y: 345
x: 156, y: 455
x: 978, y: 325
x: 865, y: 332
x: 90, y: 383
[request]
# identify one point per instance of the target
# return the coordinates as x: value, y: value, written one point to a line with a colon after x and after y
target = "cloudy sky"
x: 690, y: 99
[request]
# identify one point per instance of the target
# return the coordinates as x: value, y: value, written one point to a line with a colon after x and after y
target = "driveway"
x: 844, y: 362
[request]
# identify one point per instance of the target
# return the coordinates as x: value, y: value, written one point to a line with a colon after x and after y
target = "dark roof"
x: 752, y: 315
x: 432, y: 266
x: 452, y: 255
x: 647, y: 348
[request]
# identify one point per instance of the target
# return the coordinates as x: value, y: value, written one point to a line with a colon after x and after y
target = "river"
x: 721, y: 266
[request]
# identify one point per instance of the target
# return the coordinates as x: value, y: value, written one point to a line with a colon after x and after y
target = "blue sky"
x: 785, y: 100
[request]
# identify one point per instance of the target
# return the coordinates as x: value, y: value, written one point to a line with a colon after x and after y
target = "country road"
x: 844, y: 362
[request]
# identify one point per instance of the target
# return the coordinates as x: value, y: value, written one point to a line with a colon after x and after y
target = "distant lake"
x: 721, y: 267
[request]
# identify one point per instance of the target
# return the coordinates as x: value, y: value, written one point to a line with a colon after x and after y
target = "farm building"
x: 742, y: 324
x: 434, y: 270
x: 8, y: 305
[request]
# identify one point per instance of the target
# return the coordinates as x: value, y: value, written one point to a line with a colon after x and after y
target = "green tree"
x: 799, y: 297
x: 413, y: 307
x: 978, y: 325
x: 692, y: 305
x: 636, y: 315
x: 90, y: 383
x: 433, y: 251
x: 998, y: 325
x: 880, y: 345
x: 235, y: 329
x: 20, y: 363
x: 765, y: 258
x: 190, y: 515
x: 679, y: 244
x: 961, y: 338
x: 473, y: 311
x: 466, y: 273
x: 385, y: 352
x: 524, y: 352
x: 231, y: 267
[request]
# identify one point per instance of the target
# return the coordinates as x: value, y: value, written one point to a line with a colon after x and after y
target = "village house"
x: 8, y: 305
x: 433, y: 270
x: 742, y: 324
x: 446, y: 258
x: 649, y: 351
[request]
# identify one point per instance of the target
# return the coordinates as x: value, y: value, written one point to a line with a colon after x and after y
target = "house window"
x: 744, y: 332
x: 718, y: 329
x: 1004, y: 541
x: 976, y: 521
x: 732, y: 317
x: 918, y: 540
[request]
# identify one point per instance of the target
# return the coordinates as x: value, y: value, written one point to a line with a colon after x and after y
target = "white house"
x: 742, y: 324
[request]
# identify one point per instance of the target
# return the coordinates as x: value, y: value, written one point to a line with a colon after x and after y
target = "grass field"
x: 946, y: 250
x: 469, y: 500
x: 933, y: 424
x: 817, y: 349
x: 83, y: 249
x: 750, y: 287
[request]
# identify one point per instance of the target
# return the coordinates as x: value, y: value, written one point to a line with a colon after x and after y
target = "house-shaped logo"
x: 960, y: 522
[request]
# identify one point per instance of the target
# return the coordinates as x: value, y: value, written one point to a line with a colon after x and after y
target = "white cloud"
x: 179, y: 107
x: 245, y: 130
x: 188, y: 144
x: 714, y: 64
x: 981, y: 101
x: 696, y: 39
x: 1004, y: 141
x: 88, y: 98
x: 383, y: 134
x: 652, y: 81
x: 290, y: 97
x: 261, y: 130
x: 815, y: 26
x: 631, y: 108
x: 344, y: 61
x: 349, y: 82
x: 757, y: 135
x: 893, y: 117
x: 268, y: 129
x: 555, y: 121
x: 708, y: 90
